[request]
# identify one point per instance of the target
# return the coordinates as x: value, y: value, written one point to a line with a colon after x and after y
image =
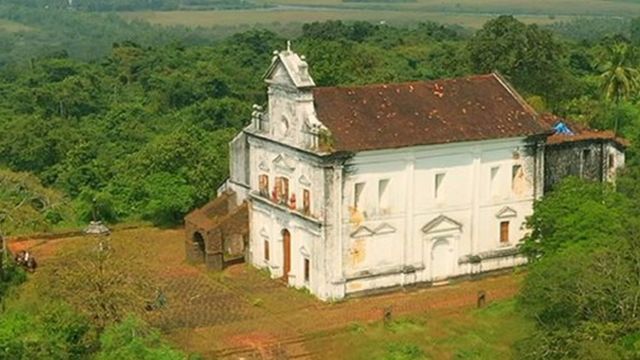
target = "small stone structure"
x: 217, y: 234
x: 575, y: 150
x: 97, y: 228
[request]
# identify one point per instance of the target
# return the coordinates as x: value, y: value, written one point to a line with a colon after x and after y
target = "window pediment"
x: 384, y: 229
x: 283, y: 164
x: 264, y: 233
x: 362, y: 231
x: 441, y: 224
x: 304, y: 180
x: 264, y: 166
x: 304, y: 252
x: 506, y: 212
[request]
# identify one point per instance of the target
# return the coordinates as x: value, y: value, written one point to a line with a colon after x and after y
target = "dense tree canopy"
x: 582, y: 288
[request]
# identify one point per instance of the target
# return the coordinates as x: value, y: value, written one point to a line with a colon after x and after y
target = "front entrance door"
x: 286, y: 265
x: 441, y: 260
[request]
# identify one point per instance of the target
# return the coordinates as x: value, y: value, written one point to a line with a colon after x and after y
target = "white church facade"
x: 356, y: 189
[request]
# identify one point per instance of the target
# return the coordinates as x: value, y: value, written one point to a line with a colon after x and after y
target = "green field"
x: 469, y: 13
x: 471, y: 334
x: 556, y: 7
x: 265, y: 17
x: 12, y: 26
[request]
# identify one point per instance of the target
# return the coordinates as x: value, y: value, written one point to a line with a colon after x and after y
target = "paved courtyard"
x: 241, y: 313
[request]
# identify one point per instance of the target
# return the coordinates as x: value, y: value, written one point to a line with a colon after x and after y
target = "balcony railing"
x: 290, y: 202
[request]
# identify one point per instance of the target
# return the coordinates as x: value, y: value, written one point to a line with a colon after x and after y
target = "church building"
x: 346, y: 190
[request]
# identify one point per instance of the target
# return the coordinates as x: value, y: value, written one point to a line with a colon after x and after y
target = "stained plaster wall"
x: 392, y: 244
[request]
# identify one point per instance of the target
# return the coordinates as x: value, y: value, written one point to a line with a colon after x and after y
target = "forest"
x: 135, y: 123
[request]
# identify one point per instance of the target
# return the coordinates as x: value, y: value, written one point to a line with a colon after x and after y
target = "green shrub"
x: 404, y: 351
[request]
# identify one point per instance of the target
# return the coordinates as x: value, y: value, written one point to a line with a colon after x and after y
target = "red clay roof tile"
x: 422, y: 113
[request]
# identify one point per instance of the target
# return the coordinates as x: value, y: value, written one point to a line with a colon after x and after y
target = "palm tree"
x: 619, y: 80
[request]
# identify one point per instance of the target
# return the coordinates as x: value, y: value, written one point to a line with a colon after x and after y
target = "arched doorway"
x: 441, y: 259
x: 286, y: 262
x: 198, y: 243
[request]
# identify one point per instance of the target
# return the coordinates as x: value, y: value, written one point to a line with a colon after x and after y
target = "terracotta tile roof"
x: 421, y: 113
x: 207, y: 216
x: 580, y: 132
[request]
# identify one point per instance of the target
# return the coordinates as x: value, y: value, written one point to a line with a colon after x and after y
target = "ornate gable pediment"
x: 441, y: 224
x: 384, y: 229
x: 289, y: 68
x: 283, y: 164
x: 280, y: 75
x: 506, y: 212
x: 362, y: 231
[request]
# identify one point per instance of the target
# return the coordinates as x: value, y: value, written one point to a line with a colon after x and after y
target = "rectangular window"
x: 612, y: 161
x: 493, y: 181
x: 306, y: 201
x: 357, y: 194
x: 586, y: 158
x: 266, y: 250
x: 277, y: 189
x: 437, y: 191
x: 516, y: 175
x: 504, y: 232
x: 263, y: 184
x: 282, y: 190
x: 383, y: 195
x: 285, y: 189
x: 307, y: 270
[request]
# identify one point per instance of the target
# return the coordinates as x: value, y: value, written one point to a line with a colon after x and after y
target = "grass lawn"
x: 487, y: 333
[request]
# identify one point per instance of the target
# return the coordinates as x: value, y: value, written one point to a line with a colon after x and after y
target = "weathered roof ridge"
x: 514, y: 93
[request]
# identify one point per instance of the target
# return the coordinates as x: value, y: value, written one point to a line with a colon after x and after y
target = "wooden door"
x: 286, y: 241
x: 504, y: 232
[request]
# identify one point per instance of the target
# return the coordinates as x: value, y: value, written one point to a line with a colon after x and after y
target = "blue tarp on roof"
x: 562, y: 128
